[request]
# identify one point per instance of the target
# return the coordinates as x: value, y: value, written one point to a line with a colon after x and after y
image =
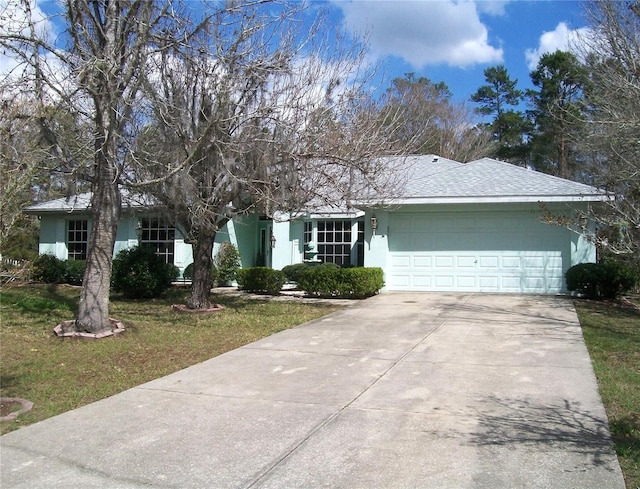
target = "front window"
x: 77, y: 239
x: 334, y: 242
x: 360, y: 245
x: 160, y: 236
x: 308, y: 232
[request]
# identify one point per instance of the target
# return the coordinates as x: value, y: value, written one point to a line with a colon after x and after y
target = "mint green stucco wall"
x: 242, y: 233
x: 383, y: 246
x: 376, y: 244
x: 53, y: 237
x: 379, y: 247
x: 53, y: 234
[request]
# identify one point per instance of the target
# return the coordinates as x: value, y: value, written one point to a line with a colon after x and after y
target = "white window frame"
x: 77, y: 239
x: 355, y: 255
x: 158, y: 234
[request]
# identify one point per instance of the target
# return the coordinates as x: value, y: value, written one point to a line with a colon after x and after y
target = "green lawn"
x: 612, y: 334
x: 61, y: 374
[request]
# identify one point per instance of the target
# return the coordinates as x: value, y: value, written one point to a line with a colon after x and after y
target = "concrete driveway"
x: 399, y: 391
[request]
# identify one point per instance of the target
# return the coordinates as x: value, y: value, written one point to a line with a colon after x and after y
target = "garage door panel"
x: 466, y: 282
x: 508, y: 252
x: 422, y: 280
x: 510, y: 261
x: 400, y: 261
x: 534, y: 283
x: 399, y: 281
x: 488, y: 262
x: 421, y: 261
x: 445, y: 261
x: 488, y: 282
x: 510, y: 284
x: 444, y: 282
x: 466, y: 261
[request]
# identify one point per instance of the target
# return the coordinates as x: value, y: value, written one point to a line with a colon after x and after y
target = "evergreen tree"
x: 509, y: 126
x: 557, y: 109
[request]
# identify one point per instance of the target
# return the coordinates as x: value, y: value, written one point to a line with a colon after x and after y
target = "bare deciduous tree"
x: 431, y: 123
x: 256, y: 115
x: 612, y: 51
x: 96, y: 78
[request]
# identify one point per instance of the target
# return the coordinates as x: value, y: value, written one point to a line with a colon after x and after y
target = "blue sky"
x: 447, y: 40
x: 455, y: 41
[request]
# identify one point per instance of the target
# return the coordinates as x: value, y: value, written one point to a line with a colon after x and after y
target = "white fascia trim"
x: 491, y: 200
x: 336, y: 215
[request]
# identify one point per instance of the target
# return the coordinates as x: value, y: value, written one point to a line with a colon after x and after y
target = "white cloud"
x: 493, y: 7
x: 425, y: 32
x: 561, y: 38
x: 15, y: 18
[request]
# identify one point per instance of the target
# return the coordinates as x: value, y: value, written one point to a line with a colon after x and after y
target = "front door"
x: 264, y: 244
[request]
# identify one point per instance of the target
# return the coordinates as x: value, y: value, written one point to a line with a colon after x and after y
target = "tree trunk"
x: 563, y: 166
x: 93, y: 309
x: 202, y: 281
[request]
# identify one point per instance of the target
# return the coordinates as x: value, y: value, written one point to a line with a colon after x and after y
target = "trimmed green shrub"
x: 355, y: 283
x: 139, y: 273
x: 261, y: 279
x: 293, y: 272
x: 617, y: 279
x: 74, y: 271
x: 227, y: 262
x: 188, y: 273
x: 605, y: 280
x: 48, y: 269
x: 583, y: 278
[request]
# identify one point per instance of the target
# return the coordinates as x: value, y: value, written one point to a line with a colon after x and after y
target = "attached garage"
x: 479, y: 227
x: 476, y: 252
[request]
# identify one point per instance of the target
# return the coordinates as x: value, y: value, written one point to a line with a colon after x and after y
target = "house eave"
x: 38, y: 211
x: 487, y: 200
x: 337, y: 215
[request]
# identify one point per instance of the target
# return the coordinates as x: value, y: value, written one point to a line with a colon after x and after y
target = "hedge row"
x: 353, y: 283
x: 137, y: 273
x: 294, y: 272
x: 605, y: 280
x: 325, y: 280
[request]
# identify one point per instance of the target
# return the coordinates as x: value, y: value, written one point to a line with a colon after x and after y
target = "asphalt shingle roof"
x: 427, y: 179
x: 487, y: 178
x: 82, y: 202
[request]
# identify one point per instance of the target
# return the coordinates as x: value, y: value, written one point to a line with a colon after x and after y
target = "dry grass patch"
x: 59, y: 374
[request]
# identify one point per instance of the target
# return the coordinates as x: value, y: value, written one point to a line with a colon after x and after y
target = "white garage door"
x: 476, y: 252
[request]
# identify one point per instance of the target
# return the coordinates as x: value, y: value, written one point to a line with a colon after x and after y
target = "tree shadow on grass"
x: 625, y: 432
x: 7, y: 381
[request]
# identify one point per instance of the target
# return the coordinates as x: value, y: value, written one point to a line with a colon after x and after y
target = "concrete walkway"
x: 401, y: 391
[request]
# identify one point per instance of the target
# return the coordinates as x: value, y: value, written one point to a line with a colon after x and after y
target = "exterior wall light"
x: 374, y: 224
x: 139, y: 229
x: 273, y: 241
x: 584, y: 220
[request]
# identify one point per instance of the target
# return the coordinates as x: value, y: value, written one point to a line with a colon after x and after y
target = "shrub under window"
x: 139, y: 273
x: 355, y: 283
